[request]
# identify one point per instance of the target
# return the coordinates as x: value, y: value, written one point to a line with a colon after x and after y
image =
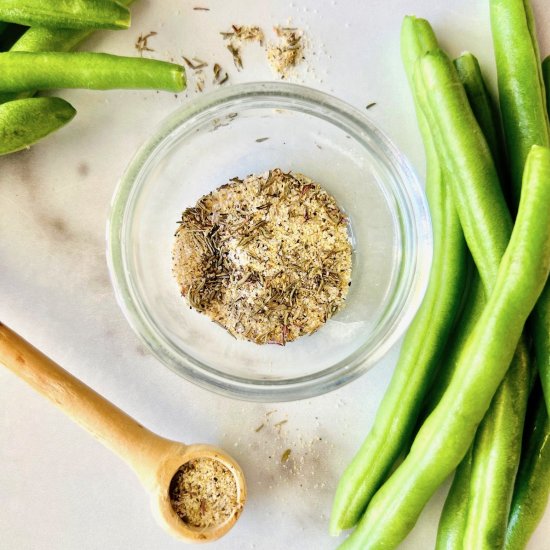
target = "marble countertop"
x: 59, y: 488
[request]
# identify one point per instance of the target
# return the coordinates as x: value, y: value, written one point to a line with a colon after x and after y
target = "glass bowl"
x: 221, y: 135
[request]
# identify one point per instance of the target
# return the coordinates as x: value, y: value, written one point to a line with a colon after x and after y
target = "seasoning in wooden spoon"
x: 268, y: 257
x: 203, y: 493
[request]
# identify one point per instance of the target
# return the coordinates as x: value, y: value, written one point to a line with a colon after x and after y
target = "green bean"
x: 496, y: 456
x: 519, y: 82
x: 453, y: 521
x: 541, y: 339
x: 25, y: 121
x: 532, y: 487
x: 424, y: 342
x: 546, y: 80
x: 98, y: 71
x: 541, y: 315
x: 66, y: 14
x: 444, y: 438
x: 450, y: 532
x: 483, y: 213
x: 45, y: 39
x: 483, y: 107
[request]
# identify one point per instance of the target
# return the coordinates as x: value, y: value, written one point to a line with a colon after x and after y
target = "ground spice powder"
x: 203, y: 493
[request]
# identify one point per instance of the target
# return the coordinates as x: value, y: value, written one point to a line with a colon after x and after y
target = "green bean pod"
x: 45, y: 39
x: 25, y: 121
x: 541, y: 339
x: 447, y: 434
x: 546, y: 80
x: 541, y: 315
x: 496, y: 456
x: 520, y: 88
x: 98, y: 71
x: 450, y: 531
x: 424, y: 343
x: 483, y: 212
x: 66, y: 14
x: 532, y: 488
x: 483, y: 107
x: 453, y: 520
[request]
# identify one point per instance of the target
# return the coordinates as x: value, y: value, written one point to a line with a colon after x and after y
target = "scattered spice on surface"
x: 199, y: 81
x: 236, y: 53
x: 238, y: 35
x: 280, y: 424
x: 220, y: 76
x: 285, y: 456
x: 267, y: 257
x: 287, y: 52
x: 217, y: 71
x: 203, y: 493
x: 249, y: 33
x: 142, y: 44
x: 245, y: 33
x: 261, y: 140
x: 196, y: 64
x: 198, y: 8
x: 260, y: 427
x: 371, y: 105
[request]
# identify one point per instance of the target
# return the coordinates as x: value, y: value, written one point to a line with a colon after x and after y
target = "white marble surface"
x: 59, y: 488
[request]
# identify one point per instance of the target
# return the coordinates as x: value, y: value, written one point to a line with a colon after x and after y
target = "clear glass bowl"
x: 220, y: 135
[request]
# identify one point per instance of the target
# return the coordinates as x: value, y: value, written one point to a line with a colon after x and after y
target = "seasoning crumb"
x: 198, y: 8
x: 196, y: 64
x: 238, y: 35
x: 203, y: 493
x: 220, y: 76
x: 236, y: 53
x: 261, y: 140
x: 285, y: 456
x: 245, y: 33
x: 267, y: 257
x: 142, y: 43
x: 370, y: 105
x: 199, y: 81
x: 280, y: 424
x: 287, y: 52
x: 260, y: 427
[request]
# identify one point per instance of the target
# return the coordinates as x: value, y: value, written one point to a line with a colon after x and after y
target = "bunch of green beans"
x: 39, y: 60
x: 446, y: 435
x: 475, y: 397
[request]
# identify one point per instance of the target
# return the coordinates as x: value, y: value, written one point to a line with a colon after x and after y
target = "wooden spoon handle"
x: 115, y: 429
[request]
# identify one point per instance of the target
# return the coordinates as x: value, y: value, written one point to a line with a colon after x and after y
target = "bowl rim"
x: 192, y: 369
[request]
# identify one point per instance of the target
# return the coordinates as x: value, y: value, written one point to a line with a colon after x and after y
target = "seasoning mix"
x: 203, y: 493
x: 267, y: 257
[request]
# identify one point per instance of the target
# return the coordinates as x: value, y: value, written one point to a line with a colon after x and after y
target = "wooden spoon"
x: 154, y: 459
